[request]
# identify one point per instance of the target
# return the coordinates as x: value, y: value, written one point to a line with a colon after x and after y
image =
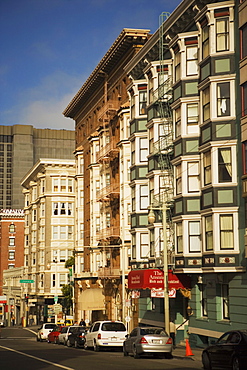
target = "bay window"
x: 223, y: 99
x: 193, y: 176
x: 225, y: 165
x: 209, y: 233
x: 222, y: 34
x: 191, y: 60
x: 207, y: 167
x: 226, y: 232
x: 194, y: 236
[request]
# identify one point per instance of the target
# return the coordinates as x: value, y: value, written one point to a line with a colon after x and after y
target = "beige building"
x: 21, y: 146
x: 49, y: 189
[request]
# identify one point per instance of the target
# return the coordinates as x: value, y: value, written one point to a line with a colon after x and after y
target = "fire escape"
x: 163, y: 148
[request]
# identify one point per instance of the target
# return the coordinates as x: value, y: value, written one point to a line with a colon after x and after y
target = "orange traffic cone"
x: 188, y: 349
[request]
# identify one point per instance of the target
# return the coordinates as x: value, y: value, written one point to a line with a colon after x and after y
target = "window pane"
x: 194, y: 236
x: 225, y: 165
x: 223, y: 99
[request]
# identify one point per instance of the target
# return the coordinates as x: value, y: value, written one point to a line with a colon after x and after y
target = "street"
x: 20, y: 350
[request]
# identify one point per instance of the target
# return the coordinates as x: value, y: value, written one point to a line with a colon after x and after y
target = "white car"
x: 65, y: 333
x: 44, y: 330
x: 105, y: 334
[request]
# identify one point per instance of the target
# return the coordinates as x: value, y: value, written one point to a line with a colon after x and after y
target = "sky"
x: 48, y: 48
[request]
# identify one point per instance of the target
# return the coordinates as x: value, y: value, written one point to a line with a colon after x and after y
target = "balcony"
x: 107, y: 112
x: 108, y: 152
x: 108, y: 192
x: 108, y: 272
x: 111, y: 232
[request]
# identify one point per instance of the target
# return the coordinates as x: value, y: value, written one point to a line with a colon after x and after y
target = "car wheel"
x: 95, y: 347
x: 235, y: 363
x: 125, y: 352
x: 68, y: 343
x: 38, y: 339
x: 136, y: 355
x: 76, y: 344
x: 206, y: 361
x: 86, y: 346
x: 56, y: 340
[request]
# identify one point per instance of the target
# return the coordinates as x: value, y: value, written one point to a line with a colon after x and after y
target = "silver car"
x: 148, y: 340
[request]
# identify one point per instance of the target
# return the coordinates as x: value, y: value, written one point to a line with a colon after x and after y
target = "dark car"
x: 77, y: 338
x: 229, y: 352
x: 53, y: 335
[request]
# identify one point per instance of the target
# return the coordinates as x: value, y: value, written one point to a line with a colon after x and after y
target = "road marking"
x: 37, y: 358
x: 32, y: 331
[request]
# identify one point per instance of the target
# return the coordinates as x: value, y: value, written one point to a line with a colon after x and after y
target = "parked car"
x: 148, y: 340
x: 53, y: 335
x: 44, y: 330
x: 105, y: 334
x: 229, y: 352
x: 2, y: 324
x: 65, y: 333
x: 77, y: 338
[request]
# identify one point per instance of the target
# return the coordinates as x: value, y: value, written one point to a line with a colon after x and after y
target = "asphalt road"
x: 19, y: 350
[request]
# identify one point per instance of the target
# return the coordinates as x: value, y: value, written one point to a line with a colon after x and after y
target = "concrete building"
x: 21, y: 146
x: 101, y: 113
x: 49, y: 190
x: 11, y: 256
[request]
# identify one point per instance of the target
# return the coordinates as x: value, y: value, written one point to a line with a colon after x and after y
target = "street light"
x: 151, y: 220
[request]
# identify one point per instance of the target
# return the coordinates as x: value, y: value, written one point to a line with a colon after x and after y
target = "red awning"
x: 154, y: 278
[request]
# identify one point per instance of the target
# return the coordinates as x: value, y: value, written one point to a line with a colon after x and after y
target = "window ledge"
x: 205, y: 319
x: 224, y: 322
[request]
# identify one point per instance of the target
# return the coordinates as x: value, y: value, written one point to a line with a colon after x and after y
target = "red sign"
x: 154, y: 278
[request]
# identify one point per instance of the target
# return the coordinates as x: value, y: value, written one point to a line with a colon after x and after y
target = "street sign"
x: 55, y: 298
x: 26, y: 281
x: 3, y: 299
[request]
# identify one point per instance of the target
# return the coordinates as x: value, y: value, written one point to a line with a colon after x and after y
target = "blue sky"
x: 50, y: 47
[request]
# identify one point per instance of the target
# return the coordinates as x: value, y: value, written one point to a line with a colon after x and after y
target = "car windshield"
x: 113, y: 326
x: 159, y: 331
x: 49, y: 326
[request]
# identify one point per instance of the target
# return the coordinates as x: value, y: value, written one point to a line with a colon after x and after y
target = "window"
x: 194, y: 236
x: 62, y: 255
x: 97, y: 224
x: 225, y: 301
x: 133, y: 198
x: 178, y: 122
x: 206, y: 103
x: 151, y: 240
x: 209, y: 233
x: 144, y: 241
x: 62, y: 208
x: 108, y: 179
x: 177, y: 62
x: 207, y: 167
x: 53, y: 280
x: 11, y: 255
x: 12, y: 228
x: 143, y: 149
x: 55, y: 185
x: 204, y: 303
x: 243, y: 38
x: 133, y: 246
x: 179, y: 236
x: 223, y: 99
x: 226, y: 232
x: 192, y: 117
x: 143, y: 102
x: 179, y: 179
x: 70, y: 232
x: 132, y: 152
x: 63, y: 232
x: 42, y: 186
x: 55, y: 232
x: 244, y: 99
x: 34, y: 215
x: 108, y: 219
x: 193, y: 176
x: 132, y: 104
x: 225, y: 165
x: 42, y: 209
x: 42, y: 233
x: 191, y: 61
x: 143, y: 196
x: 12, y: 241
x: 222, y: 34
x: 205, y: 41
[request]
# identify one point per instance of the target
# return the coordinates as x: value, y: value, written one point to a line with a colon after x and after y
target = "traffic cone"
x: 188, y: 349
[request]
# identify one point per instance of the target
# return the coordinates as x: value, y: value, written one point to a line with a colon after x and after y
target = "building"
x: 21, y: 146
x: 190, y: 71
x: 11, y: 255
x: 101, y: 113
x: 49, y: 190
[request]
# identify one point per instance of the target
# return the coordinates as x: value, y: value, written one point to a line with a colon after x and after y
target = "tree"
x: 67, y: 291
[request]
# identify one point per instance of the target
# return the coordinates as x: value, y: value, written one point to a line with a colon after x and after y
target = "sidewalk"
x: 180, y: 352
